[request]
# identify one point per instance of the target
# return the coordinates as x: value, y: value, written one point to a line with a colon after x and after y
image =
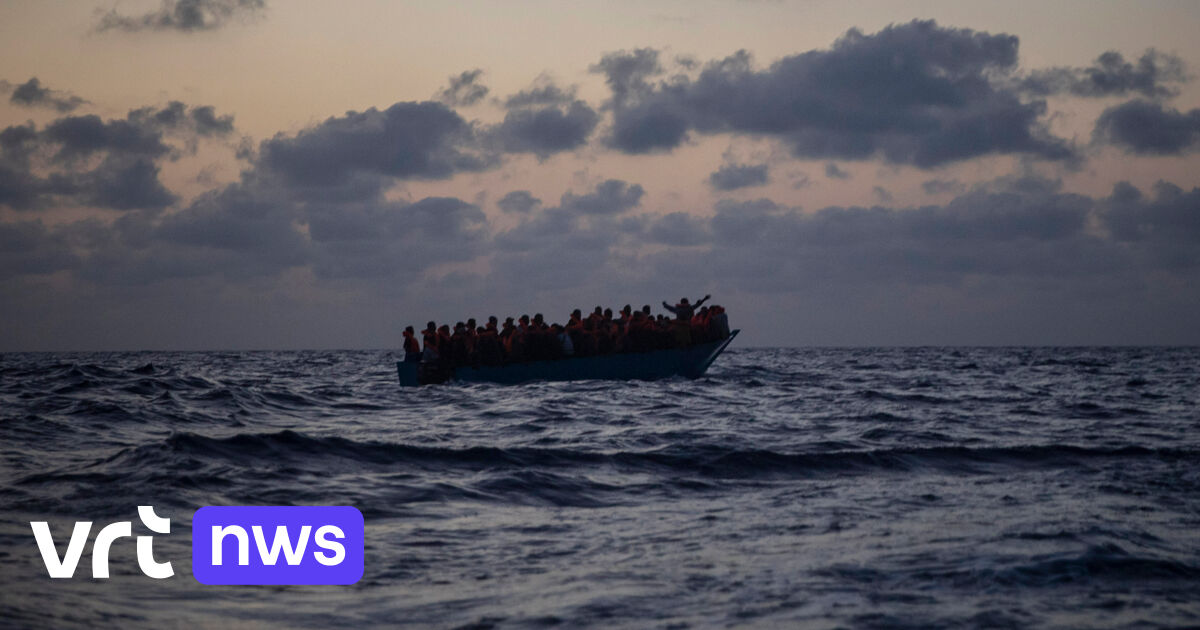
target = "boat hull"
x: 690, y: 362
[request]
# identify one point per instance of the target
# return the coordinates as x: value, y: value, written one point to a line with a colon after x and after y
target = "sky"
x: 255, y: 174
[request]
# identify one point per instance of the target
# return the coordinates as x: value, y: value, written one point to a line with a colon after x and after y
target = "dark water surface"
x: 1027, y: 487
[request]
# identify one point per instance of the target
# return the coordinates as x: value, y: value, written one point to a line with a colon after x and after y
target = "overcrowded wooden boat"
x: 690, y: 362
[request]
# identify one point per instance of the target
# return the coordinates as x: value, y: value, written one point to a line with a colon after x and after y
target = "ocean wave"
x: 290, y: 448
x: 829, y: 487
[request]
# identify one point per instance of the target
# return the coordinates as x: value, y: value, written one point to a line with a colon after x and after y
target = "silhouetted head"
x: 683, y: 301
x: 471, y: 322
x: 408, y: 330
x: 577, y: 314
x: 431, y: 326
x: 646, y: 309
x: 492, y: 320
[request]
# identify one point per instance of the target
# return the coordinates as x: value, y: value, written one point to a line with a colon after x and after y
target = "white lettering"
x: 145, y: 544
x: 104, y: 540
x: 66, y: 567
x: 282, y: 541
x: 338, y: 549
x: 243, y: 542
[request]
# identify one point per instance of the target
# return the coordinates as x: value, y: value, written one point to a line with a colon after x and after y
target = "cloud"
x: 358, y: 154
x: 734, y: 176
x: 1149, y: 128
x: 642, y: 122
x: 314, y: 200
x: 124, y: 184
x: 543, y: 92
x: 1165, y: 228
x: 1007, y: 246
x: 94, y: 162
x: 550, y: 250
x: 32, y: 94
x: 648, y: 128
x: 611, y: 197
x: 833, y: 172
x: 518, y: 202
x: 913, y: 93
x: 679, y: 229
x: 30, y: 248
x: 245, y: 231
x: 383, y: 240
x: 178, y: 117
x: 565, y: 246
x: 186, y: 16
x: 240, y: 219
x: 309, y: 201
x: 1155, y: 75
x: 80, y: 137
x: 464, y: 89
x: 546, y: 130
x: 314, y: 212
x: 764, y: 247
x: 626, y: 73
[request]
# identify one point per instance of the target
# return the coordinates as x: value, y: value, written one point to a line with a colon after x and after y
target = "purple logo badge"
x: 277, y: 545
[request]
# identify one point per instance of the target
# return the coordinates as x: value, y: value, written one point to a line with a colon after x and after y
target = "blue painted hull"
x: 691, y: 362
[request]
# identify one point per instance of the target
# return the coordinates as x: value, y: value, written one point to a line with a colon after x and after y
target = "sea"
x: 787, y: 488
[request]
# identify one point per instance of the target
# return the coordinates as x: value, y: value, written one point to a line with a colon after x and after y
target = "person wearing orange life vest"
x: 431, y: 353
x: 718, y: 322
x: 412, y: 349
x: 489, y: 348
x: 639, y: 332
x: 540, y: 343
x: 472, y: 339
x: 459, y: 353
x: 443, y: 343
x: 506, y: 336
x: 519, y: 341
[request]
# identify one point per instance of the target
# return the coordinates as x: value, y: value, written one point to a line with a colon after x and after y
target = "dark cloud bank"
x: 111, y: 164
x: 1022, y: 260
x: 913, y: 93
x: 310, y: 234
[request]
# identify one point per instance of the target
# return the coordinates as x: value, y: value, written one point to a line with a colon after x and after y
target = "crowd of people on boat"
x: 599, y: 333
